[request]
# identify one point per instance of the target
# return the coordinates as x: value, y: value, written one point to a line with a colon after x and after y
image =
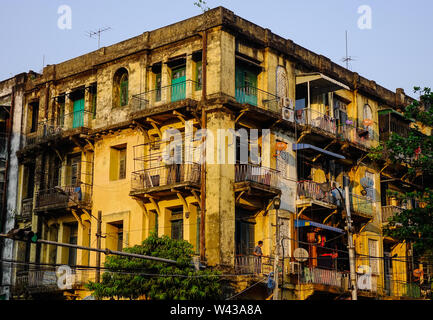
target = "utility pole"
x: 277, y: 203
x: 350, y: 239
x: 98, y: 246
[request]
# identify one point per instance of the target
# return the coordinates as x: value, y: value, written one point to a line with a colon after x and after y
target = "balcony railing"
x: 325, y: 277
x: 65, y: 196
x: 362, y: 204
x: 165, y: 176
x: 52, y: 128
x: 316, y: 119
x: 256, y: 173
x: 258, y: 98
x: 389, y: 211
x: 172, y: 93
x: 250, y: 264
x: 308, y: 189
x: 47, y: 279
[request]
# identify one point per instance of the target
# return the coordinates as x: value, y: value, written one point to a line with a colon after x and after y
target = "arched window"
x: 120, y: 88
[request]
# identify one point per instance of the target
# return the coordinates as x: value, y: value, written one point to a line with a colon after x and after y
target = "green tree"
x: 416, y: 152
x: 132, y: 278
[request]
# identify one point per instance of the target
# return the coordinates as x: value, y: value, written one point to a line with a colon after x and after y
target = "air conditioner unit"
x: 294, y: 267
x: 288, y: 114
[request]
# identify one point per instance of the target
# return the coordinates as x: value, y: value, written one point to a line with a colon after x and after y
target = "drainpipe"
x: 3, y: 217
x: 203, y: 141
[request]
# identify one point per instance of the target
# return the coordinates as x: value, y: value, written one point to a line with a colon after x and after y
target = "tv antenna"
x: 97, y: 33
x: 348, y: 58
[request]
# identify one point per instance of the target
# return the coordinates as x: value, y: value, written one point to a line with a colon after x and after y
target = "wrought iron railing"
x: 308, y: 189
x: 256, y: 173
x: 389, y: 211
x: 165, y: 176
x: 251, y: 264
x: 258, y: 98
x: 49, y: 279
x: 171, y: 93
x: 365, y: 137
x: 54, y: 127
x: 325, y: 277
x: 316, y: 119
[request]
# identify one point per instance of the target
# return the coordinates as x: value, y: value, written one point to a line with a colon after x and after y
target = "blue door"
x: 78, y: 114
x: 178, y: 84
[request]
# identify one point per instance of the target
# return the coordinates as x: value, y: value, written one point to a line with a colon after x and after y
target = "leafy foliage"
x: 416, y: 150
x: 202, y: 4
x: 132, y: 278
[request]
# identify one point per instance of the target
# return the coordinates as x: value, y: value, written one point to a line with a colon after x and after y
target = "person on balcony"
x: 258, y: 257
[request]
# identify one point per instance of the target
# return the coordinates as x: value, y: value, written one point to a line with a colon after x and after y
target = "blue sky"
x: 396, y: 52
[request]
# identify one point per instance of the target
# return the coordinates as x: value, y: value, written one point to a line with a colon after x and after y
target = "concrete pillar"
x: 165, y: 82
x: 220, y: 204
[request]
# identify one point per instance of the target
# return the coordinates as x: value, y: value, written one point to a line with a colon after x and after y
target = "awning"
x: 305, y: 223
x: 319, y: 83
x: 311, y: 148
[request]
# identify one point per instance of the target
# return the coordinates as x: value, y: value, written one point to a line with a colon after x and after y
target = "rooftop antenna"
x: 93, y: 34
x: 348, y: 58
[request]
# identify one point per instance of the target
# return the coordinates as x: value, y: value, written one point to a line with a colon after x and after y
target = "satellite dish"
x: 300, y: 254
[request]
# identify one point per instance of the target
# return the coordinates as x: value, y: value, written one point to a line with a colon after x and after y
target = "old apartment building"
x: 94, y: 130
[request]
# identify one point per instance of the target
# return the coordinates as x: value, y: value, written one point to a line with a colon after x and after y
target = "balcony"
x: 400, y: 289
x: 262, y: 179
x: 38, y: 282
x: 362, y: 205
x: 318, y: 276
x: 162, y: 179
x: 391, y: 121
x: 258, y: 98
x: 310, y: 192
x: 65, y: 125
x: 145, y: 101
x: 64, y: 197
x: 390, y: 211
x: 358, y: 136
x: 316, y: 119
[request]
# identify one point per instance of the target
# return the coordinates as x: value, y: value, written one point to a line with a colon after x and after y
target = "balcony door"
x: 178, y: 84
x: 246, y: 85
x: 78, y: 114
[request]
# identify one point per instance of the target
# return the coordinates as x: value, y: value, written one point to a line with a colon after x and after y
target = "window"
x: 33, y: 116
x: 121, y: 88
x: 158, y: 87
x: 30, y: 180
x: 73, y: 236
x: 198, y: 75
x: 118, y: 162
x: 372, y: 252
x: 74, y: 170
x: 61, y: 102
